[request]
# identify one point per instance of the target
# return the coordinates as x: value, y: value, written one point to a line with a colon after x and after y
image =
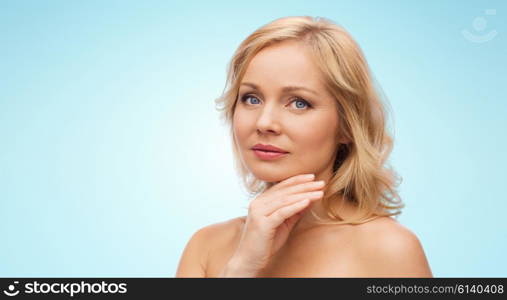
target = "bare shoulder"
x: 222, y: 231
x: 194, y: 259
x: 386, y: 248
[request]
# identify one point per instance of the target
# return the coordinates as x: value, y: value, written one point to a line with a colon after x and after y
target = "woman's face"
x: 303, y: 122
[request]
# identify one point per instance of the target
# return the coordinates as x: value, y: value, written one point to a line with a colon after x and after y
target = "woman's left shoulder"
x: 386, y: 233
x: 386, y: 248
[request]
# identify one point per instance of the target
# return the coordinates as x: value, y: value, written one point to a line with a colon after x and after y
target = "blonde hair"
x: 359, y: 172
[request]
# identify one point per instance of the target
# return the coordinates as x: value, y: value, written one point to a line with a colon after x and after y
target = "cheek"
x: 317, y: 135
x: 313, y: 137
x: 241, y: 125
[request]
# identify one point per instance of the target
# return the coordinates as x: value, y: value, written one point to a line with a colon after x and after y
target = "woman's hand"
x: 271, y: 217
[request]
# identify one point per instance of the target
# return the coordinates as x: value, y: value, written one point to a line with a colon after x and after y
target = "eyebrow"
x: 285, y: 89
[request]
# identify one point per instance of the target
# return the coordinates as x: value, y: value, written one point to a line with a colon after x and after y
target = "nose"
x: 268, y: 119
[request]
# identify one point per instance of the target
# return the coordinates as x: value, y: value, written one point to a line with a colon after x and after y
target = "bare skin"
x: 328, y: 251
x: 378, y: 248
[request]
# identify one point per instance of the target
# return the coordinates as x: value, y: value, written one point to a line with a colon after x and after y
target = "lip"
x: 268, y: 148
x: 268, y: 155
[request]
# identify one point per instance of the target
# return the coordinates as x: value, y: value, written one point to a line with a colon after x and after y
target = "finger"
x: 290, y: 190
x: 291, y: 221
x: 279, y: 216
x: 303, y: 187
x: 291, y: 199
x: 293, y: 180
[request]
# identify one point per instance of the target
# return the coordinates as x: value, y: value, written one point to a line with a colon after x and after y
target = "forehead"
x: 285, y: 63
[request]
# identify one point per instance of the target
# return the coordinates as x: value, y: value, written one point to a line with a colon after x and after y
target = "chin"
x: 269, y: 178
x: 271, y: 175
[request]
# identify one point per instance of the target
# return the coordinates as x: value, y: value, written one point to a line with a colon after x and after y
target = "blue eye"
x: 244, y: 98
x: 300, y: 103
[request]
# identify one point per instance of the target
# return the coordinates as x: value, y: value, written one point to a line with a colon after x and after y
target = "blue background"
x: 112, y: 153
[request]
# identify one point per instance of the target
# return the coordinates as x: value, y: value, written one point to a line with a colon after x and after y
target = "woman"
x: 310, y: 142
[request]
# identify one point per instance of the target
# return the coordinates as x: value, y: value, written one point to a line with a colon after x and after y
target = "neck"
x: 307, y: 220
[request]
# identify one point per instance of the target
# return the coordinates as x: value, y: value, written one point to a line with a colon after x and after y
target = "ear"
x: 342, y: 140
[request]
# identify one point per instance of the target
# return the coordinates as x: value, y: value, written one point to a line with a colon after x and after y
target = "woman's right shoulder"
x: 205, y: 243
x: 221, y: 240
x: 222, y: 231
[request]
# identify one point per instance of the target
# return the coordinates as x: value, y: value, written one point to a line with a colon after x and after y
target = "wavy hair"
x: 360, y: 172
